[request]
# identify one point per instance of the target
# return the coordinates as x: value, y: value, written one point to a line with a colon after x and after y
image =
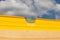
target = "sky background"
x: 33, y: 8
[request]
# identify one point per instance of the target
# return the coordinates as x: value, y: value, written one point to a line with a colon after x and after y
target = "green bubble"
x: 30, y: 20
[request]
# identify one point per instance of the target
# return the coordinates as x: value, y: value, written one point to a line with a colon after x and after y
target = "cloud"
x: 26, y: 7
x: 45, y: 5
x: 15, y: 7
x: 57, y: 11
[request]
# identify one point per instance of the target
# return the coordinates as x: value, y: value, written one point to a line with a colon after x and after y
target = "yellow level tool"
x: 19, y: 23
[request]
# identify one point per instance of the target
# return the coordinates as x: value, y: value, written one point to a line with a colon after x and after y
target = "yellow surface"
x: 19, y: 23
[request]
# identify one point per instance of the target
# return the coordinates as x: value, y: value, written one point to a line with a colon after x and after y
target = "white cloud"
x: 57, y: 10
x: 15, y: 6
x: 45, y: 5
x: 57, y: 7
x: 26, y: 7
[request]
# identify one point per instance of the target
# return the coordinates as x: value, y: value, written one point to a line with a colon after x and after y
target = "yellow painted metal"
x: 19, y: 23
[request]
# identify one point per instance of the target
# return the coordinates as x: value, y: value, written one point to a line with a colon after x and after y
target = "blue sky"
x: 52, y: 12
x: 58, y: 1
x: 38, y: 8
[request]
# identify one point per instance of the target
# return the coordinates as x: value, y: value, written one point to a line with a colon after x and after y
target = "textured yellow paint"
x: 19, y: 23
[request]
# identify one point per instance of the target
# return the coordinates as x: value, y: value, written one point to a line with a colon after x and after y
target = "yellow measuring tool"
x: 19, y: 23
